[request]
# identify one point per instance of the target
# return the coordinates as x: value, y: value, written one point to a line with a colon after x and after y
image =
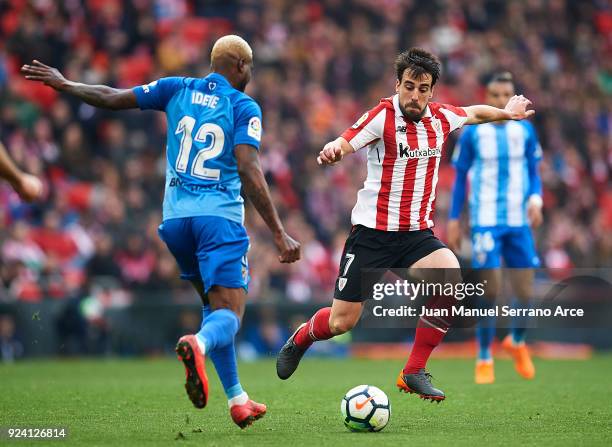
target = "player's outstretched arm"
x: 334, y: 151
x: 256, y: 189
x: 516, y: 109
x: 96, y: 95
x: 27, y: 186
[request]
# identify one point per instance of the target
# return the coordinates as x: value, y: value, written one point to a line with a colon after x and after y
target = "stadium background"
x: 86, y: 264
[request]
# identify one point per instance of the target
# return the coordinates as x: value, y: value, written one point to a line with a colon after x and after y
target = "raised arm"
x: 256, y: 189
x: 96, y: 95
x: 516, y: 109
x: 27, y: 186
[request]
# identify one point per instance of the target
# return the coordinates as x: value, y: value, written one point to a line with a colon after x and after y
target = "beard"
x: 412, y: 114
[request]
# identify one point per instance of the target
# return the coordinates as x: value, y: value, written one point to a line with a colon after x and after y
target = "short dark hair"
x: 418, y: 62
x: 501, y: 76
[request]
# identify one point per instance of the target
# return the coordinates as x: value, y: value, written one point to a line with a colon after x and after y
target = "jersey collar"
x: 398, y: 111
x: 219, y: 79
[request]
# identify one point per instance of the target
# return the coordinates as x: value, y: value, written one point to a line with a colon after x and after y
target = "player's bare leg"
x: 522, y: 284
x: 242, y: 410
x: 429, y: 333
x: 326, y: 323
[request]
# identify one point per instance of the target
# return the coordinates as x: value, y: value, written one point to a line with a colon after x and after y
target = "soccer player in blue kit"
x: 501, y: 161
x: 214, y: 132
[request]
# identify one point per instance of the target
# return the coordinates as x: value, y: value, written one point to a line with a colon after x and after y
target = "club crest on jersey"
x: 436, y: 124
x: 360, y: 120
x: 341, y: 283
x: 212, y: 85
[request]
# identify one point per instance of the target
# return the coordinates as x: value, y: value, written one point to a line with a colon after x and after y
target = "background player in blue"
x: 501, y: 161
x: 214, y: 131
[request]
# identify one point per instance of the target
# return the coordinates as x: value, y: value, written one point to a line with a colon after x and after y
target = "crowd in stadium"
x: 319, y: 65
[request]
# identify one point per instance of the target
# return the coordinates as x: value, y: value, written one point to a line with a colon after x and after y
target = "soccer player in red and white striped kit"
x: 404, y: 135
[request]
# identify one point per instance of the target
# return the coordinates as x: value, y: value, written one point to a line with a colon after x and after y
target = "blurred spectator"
x: 10, y: 347
x: 265, y: 337
x: 136, y: 261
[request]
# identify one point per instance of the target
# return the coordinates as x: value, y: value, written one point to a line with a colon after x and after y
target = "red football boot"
x: 245, y: 415
x: 196, y: 382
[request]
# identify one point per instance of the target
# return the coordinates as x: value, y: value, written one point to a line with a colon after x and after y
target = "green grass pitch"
x: 142, y: 402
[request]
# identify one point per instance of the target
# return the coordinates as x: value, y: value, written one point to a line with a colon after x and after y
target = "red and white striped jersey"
x: 403, y: 158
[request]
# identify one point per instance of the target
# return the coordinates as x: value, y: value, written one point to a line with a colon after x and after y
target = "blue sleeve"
x: 247, y: 126
x: 462, y: 160
x: 156, y: 94
x: 464, y: 151
x: 533, y: 153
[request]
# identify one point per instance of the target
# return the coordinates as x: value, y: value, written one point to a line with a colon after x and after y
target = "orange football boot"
x: 245, y: 415
x: 484, y: 372
x: 196, y: 381
x: 522, y: 359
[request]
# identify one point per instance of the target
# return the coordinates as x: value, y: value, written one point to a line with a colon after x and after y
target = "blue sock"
x: 519, y: 329
x: 485, y: 331
x: 224, y: 359
x: 218, y: 329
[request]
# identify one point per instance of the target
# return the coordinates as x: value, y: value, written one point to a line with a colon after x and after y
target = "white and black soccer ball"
x: 365, y: 408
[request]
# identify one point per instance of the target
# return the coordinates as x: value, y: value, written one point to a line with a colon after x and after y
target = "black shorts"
x: 367, y: 248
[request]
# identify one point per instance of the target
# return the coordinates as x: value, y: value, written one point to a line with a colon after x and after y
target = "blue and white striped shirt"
x: 501, y: 163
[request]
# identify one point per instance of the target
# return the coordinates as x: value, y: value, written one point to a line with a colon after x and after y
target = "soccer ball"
x: 365, y: 408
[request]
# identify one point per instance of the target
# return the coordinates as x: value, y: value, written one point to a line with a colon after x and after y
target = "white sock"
x: 201, y: 344
x: 241, y: 399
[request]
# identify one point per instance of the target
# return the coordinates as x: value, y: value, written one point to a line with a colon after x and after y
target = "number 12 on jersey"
x: 214, y: 149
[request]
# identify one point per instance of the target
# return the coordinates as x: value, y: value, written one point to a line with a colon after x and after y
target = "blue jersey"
x: 501, y: 162
x: 206, y: 118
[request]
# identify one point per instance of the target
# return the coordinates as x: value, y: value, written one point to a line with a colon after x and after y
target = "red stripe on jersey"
x: 443, y: 121
x: 431, y: 167
x: 411, y: 134
x: 409, y: 178
x: 382, y: 203
x: 432, y: 140
x: 352, y: 132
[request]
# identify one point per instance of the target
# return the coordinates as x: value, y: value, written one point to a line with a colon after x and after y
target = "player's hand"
x: 534, y: 215
x: 43, y: 73
x: 453, y: 235
x: 331, y: 153
x: 517, y: 108
x: 289, y: 248
x: 28, y: 187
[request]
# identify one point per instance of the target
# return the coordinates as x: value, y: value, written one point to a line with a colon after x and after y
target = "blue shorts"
x: 209, y: 248
x: 515, y: 244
